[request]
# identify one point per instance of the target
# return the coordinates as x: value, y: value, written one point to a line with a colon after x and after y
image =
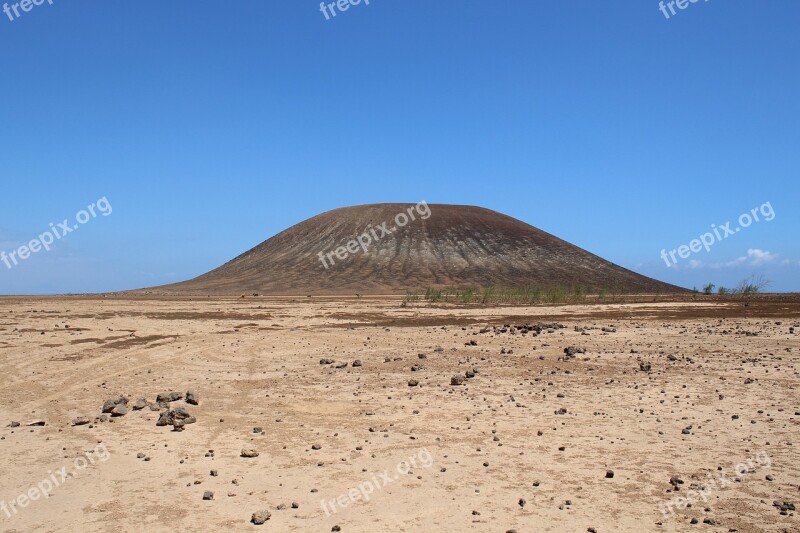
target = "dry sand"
x: 722, y: 390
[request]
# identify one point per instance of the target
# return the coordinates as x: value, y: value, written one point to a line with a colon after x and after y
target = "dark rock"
x: 260, y: 517
x: 109, y: 405
x: 192, y: 398
x: 169, y: 417
x: 167, y: 397
x: 572, y: 351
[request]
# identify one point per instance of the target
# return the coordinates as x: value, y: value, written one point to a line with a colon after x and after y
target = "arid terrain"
x: 653, y: 402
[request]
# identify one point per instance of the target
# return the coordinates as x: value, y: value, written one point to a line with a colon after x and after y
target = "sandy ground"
x: 493, y: 454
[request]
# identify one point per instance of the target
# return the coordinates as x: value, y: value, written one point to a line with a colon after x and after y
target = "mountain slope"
x: 443, y: 246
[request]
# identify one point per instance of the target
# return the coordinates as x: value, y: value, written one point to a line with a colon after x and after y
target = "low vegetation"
x: 753, y: 285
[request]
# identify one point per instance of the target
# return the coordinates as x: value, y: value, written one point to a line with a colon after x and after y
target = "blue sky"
x: 211, y: 126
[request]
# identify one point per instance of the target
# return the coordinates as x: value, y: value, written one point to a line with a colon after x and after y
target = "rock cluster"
x: 117, y: 407
x: 177, y: 418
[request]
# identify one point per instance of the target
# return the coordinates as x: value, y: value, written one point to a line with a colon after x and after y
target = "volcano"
x: 413, y: 247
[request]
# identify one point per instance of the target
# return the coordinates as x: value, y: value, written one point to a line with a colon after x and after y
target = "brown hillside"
x: 454, y: 246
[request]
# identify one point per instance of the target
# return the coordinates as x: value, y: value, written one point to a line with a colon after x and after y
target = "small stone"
x: 164, y: 419
x: 192, y: 398
x: 249, y: 453
x: 571, y: 351
x: 208, y: 495
x: 260, y: 517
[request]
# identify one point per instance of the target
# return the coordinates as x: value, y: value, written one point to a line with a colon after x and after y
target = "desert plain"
x: 646, y: 416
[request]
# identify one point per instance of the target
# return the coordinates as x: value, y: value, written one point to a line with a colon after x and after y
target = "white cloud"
x: 758, y: 257
x: 754, y: 257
